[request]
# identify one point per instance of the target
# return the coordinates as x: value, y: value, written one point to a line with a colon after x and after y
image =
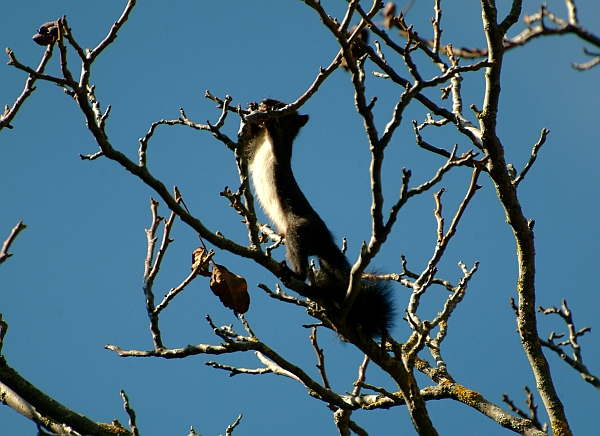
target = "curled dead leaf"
x: 47, y: 33
x: 201, y: 261
x: 231, y: 289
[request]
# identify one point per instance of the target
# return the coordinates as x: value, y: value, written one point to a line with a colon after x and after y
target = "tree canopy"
x: 441, y: 145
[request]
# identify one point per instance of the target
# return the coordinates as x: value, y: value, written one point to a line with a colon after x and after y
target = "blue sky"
x: 74, y: 283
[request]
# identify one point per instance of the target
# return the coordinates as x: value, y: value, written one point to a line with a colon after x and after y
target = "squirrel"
x: 269, y: 153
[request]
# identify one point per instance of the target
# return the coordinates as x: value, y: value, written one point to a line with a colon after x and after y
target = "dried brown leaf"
x: 231, y: 289
x: 47, y: 34
x: 201, y: 261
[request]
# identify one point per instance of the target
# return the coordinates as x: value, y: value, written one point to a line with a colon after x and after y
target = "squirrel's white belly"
x: 263, y: 177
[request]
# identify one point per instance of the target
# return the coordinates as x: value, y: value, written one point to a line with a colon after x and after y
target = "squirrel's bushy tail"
x: 373, y: 310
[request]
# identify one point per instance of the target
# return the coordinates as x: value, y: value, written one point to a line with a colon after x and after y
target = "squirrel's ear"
x: 302, y: 120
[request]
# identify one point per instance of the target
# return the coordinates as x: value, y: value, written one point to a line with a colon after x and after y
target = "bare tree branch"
x: 532, y: 415
x: 589, y: 64
x: 26, y: 399
x: 10, y: 113
x: 131, y: 413
x: 570, y: 26
x: 231, y: 427
x: 576, y: 362
x: 395, y: 358
x: 526, y: 320
x: 533, y: 157
x: 4, y: 254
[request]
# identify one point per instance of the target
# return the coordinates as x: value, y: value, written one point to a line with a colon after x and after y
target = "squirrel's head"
x: 281, y: 130
x: 286, y: 126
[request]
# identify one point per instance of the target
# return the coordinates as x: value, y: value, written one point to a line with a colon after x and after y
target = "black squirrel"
x: 269, y: 153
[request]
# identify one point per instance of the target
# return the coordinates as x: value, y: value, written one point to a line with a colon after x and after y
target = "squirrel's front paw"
x: 286, y: 273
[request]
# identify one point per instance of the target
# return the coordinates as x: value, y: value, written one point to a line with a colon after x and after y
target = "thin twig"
x: 532, y: 415
x: 533, y: 156
x: 320, y: 362
x: 4, y: 254
x: 131, y: 413
x: 231, y: 427
x: 576, y: 362
x: 112, y: 33
x: 10, y: 113
x: 235, y: 370
x: 425, y: 279
x: 12, y: 60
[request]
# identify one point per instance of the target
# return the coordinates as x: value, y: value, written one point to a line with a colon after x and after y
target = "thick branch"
x: 50, y: 411
x: 526, y: 320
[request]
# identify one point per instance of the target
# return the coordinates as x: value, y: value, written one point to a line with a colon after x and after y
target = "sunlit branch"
x: 112, y: 34
x: 520, y: 225
x: 231, y: 427
x: 152, y: 266
x: 131, y: 413
x: 533, y: 156
x: 448, y: 388
x: 34, y: 74
x: 576, y: 362
x: 4, y: 254
x: 589, y: 64
x: 10, y: 113
x: 532, y: 415
x: 32, y: 403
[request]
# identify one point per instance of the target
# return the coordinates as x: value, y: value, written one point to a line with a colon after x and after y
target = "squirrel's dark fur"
x: 269, y: 153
